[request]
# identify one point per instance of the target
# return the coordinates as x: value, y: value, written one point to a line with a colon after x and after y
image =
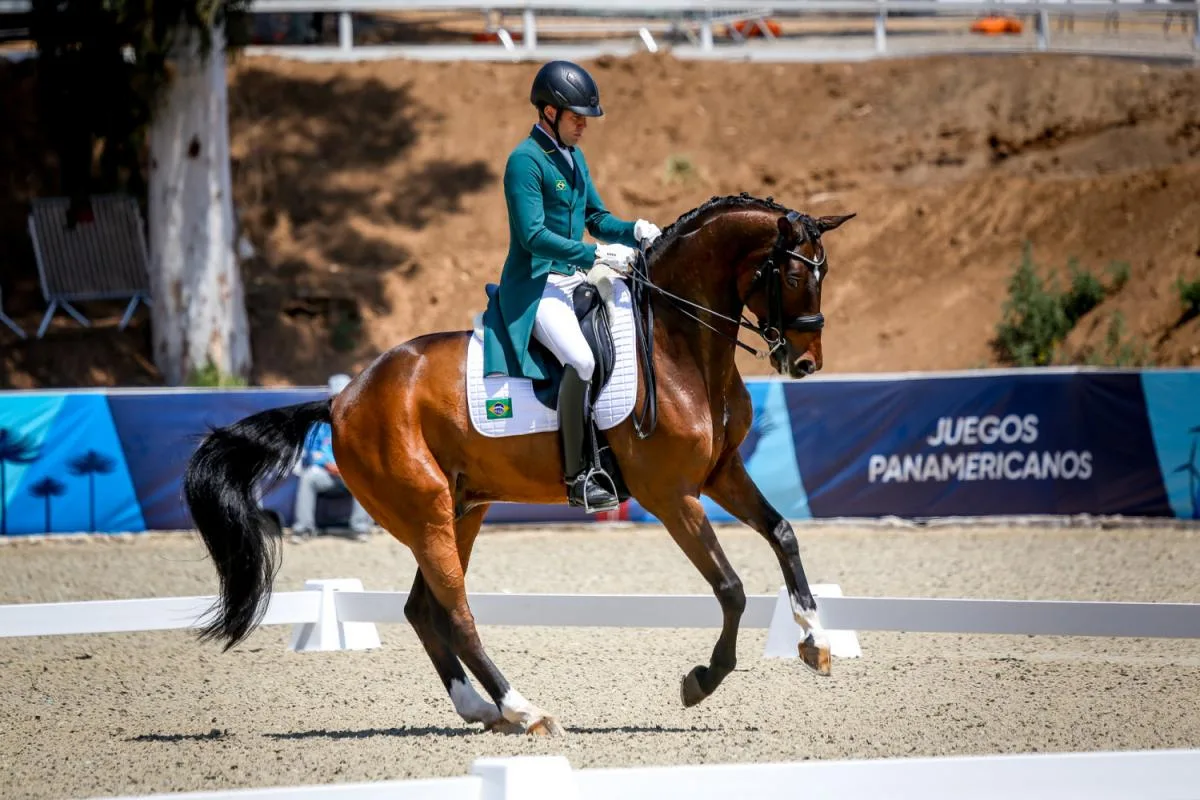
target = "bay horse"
x: 405, y: 446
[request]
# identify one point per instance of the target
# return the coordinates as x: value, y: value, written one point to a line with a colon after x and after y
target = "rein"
x: 771, y: 333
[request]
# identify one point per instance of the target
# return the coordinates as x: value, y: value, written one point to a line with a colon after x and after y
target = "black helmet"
x: 562, y: 84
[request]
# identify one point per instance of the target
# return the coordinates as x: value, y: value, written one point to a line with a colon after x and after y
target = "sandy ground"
x: 86, y: 716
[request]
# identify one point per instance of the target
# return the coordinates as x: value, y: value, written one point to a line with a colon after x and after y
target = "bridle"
x: 768, y: 275
x: 771, y: 274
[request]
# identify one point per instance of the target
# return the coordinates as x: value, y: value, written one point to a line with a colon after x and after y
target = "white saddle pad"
x: 503, y: 406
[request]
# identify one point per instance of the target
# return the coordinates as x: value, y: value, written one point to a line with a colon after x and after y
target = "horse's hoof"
x: 502, y: 725
x: 689, y: 690
x: 546, y: 726
x: 816, y: 656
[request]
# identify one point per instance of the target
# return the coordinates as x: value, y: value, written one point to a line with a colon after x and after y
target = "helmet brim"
x: 586, y: 111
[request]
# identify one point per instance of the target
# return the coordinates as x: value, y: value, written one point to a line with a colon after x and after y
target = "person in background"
x: 319, y: 473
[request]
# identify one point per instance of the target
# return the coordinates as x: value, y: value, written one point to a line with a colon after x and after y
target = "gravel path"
x: 87, y: 716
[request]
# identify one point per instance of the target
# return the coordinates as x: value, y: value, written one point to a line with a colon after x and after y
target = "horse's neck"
x: 704, y: 271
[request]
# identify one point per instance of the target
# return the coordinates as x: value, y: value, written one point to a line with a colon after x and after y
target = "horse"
x: 406, y: 449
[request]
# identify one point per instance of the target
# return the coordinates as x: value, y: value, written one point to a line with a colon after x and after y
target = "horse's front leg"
x: 732, y: 488
x: 688, y: 525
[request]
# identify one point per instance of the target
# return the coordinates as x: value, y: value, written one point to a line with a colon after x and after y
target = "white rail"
x: 697, y: 20
x: 337, y: 603
x: 1147, y: 775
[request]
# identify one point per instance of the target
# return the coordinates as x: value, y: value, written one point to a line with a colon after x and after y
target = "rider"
x: 551, y: 202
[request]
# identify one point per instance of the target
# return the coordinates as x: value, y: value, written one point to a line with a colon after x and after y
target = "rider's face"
x: 571, y: 127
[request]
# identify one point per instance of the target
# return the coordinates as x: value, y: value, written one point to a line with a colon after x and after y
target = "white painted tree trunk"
x: 199, y: 309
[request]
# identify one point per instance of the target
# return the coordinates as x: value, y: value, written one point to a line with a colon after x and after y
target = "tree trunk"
x: 199, y: 309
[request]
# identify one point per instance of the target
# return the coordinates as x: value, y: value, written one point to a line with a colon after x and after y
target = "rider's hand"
x: 645, y: 232
x: 616, y: 256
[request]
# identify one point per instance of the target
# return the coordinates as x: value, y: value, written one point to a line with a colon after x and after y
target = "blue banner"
x: 1173, y: 405
x: 160, y: 431
x: 1041, y: 441
x: 1025, y: 443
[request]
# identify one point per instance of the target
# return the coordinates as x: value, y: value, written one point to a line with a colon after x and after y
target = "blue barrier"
x: 1047, y: 441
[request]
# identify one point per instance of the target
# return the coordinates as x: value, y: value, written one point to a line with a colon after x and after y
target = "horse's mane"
x: 722, y: 203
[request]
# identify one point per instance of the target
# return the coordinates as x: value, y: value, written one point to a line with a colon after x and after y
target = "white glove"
x: 615, y: 256
x: 645, y: 232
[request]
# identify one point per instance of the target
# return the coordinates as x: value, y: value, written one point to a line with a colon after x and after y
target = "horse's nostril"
x: 808, y: 366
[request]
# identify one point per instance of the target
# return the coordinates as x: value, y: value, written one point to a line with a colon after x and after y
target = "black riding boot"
x: 587, y: 483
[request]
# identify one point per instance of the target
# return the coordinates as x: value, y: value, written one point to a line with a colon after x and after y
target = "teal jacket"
x: 550, y: 205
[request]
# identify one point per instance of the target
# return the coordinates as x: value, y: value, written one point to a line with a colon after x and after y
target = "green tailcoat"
x: 550, y: 205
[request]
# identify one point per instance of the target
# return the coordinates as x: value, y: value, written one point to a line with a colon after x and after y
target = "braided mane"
x: 722, y: 203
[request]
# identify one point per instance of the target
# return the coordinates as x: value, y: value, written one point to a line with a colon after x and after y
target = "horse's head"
x: 784, y: 291
x: 741, y: 252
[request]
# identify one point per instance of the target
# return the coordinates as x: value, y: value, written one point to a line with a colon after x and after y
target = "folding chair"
x: 102, y: 259
x: 7, y: 320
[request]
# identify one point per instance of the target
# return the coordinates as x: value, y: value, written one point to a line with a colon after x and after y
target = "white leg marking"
x: 516, y: 708
x: 811, y: 624
x: 470, y: 705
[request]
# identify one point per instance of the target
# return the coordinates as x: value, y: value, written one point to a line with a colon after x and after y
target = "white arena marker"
x: 327, y: 633
x: 784, y: 633
x: 526, y: 777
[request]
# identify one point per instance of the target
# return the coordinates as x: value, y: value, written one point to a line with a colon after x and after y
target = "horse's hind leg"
x: 732, y: 489
x: 688, y: 525
x: 432, y: 625
x: 427, y: 619
x: 438, y: 558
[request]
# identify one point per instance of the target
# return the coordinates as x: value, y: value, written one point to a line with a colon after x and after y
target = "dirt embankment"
x: 372, y: 194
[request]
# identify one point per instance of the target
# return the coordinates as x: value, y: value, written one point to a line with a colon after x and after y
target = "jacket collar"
x: 550, y: 148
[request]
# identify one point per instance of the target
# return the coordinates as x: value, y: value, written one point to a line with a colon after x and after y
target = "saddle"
x: 592, y: 314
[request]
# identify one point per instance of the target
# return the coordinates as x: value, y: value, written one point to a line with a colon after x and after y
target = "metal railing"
x: 625, y: 26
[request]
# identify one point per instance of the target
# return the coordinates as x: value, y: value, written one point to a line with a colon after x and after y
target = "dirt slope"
x: 372, y: 192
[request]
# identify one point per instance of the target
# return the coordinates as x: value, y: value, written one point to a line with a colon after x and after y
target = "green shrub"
x: 1118, y: 351
x: 1034, y: 319
x: 1189, y: 295
x: 1037, y: 317
x: 210, y: 376
x: 680, y: 169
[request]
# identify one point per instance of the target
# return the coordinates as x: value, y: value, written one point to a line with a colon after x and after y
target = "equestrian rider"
x: 551, y: 202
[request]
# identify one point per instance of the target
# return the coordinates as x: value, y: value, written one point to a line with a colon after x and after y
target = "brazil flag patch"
x: 499, y: 408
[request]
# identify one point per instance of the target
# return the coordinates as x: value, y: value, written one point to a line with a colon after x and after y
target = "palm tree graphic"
x: 1192, y: 468
x: 91, y: 464
x: 13, y: 450
x: 47, y: 488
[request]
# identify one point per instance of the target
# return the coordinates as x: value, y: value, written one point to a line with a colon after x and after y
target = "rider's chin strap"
x: 554, y: 124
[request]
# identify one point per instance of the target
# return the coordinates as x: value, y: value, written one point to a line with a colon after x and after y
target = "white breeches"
x: 556, y: 326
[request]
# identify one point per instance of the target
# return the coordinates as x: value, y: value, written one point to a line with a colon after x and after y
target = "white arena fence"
x: 621, y: 27
x: 336, y: 614
x: 1144, y: 774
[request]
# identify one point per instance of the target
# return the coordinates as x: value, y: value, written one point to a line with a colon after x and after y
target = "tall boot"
x: 586, y: 479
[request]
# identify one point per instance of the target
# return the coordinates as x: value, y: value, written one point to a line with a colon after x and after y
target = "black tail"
x: 219, y: 488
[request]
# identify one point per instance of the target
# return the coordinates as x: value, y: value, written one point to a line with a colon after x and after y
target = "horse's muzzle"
x: 802, y: 367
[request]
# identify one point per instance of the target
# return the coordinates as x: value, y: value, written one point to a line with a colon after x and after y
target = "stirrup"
x: 583, y: 479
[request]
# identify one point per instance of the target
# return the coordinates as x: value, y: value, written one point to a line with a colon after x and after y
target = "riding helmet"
x: 562, y: 84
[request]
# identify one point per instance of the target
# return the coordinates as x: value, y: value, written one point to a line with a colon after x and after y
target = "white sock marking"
x: 809, y: 621
x: 469, y: 704
x: 516, y: 708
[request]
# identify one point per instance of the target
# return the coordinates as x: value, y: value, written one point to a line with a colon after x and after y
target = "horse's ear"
x: 785, y: 226
x: 826, y: 224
